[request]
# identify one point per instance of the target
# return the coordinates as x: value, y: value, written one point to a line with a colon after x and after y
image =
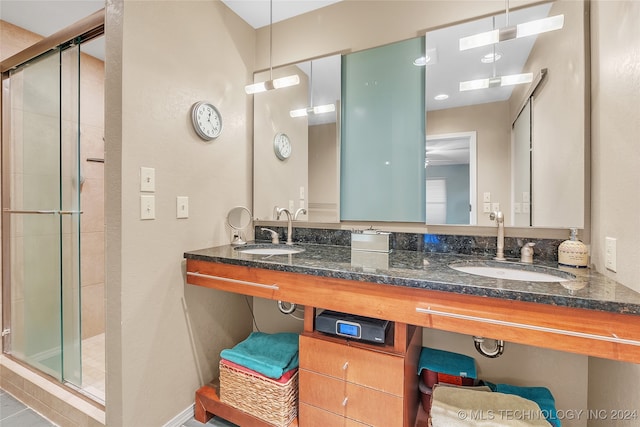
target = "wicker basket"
x: 269, y: 400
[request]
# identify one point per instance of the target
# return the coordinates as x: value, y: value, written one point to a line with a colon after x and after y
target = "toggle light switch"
x: 147, y: 179
x: 182, y: 207
x: 147, y: 207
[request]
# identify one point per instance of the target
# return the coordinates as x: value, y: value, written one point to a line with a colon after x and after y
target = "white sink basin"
x: 269, y: 249
x: 511, y: 273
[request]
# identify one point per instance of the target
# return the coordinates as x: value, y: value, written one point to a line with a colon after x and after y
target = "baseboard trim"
x: 182, y: 417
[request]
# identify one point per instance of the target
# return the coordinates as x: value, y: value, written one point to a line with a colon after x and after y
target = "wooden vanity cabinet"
x: 343, y: 382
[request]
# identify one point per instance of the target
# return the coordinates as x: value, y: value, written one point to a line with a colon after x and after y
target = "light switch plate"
x: 517, y: 208
x: 147, y: 207
x: 610, y: 253
x: 147, y: 179
x: 486, y: 207
x: 486, y: 197
x: 182, y: 207
x: 495, y: 207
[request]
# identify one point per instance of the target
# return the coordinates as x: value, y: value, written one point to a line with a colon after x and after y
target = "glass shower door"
x: 41, y: 215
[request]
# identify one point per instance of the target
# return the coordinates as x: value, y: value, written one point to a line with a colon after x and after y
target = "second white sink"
x: 512, y: 273
x: 269, y: 249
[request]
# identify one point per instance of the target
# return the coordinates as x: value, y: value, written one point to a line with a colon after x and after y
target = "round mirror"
x: 238, y: 219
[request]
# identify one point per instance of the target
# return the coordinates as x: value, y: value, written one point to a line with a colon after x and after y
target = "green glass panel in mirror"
x: 382, y: 174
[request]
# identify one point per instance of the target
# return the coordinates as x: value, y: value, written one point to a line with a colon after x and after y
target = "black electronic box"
x: 352, y: 326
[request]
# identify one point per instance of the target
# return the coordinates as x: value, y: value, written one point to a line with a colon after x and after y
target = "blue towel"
x: 269, y: 354
x: 447, y: 362
x: 540, y: 395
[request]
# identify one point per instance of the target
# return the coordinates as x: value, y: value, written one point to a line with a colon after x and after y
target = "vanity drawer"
x: 352, y: 401
x: 380, y: 371
x: 312, y: 416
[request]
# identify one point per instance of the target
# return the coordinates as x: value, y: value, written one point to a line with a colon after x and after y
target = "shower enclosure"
x: 41, y: 210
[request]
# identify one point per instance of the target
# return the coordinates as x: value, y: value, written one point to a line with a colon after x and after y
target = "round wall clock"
x: 282, y: 146
x: 207, y: 120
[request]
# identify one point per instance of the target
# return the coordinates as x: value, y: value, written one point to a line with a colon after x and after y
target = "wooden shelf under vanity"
x: 208, y: 405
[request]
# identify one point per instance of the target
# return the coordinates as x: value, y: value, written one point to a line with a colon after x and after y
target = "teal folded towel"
x: 447, y: 362
x: 540, y: 395
x: 269, y: 354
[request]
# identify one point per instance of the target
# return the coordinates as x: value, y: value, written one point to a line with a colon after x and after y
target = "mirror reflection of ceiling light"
x: 271, y: 83
x: 422, y: 61
x: 318, y: 109
x: 441, y: 97
x: 490, y: 58
x: 508, y: 32
x: 510, y: 80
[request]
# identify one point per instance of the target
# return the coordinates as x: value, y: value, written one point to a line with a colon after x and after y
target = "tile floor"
x: 215, y: 422
x: 14, y: 413
x: 93, y: 371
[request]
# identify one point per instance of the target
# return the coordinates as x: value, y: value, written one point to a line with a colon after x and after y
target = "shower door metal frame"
x: 84, y: 30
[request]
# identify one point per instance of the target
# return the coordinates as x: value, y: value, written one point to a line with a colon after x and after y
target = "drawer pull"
x: 344, y: 402
x: 345, y: 366
x: 613, y: 338
x: 239, y: 282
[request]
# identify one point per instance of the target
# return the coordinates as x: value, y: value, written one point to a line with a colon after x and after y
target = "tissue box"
x: 371, y: 241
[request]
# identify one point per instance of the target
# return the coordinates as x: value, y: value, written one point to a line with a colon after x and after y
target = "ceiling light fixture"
x: 490, y: 58
x: 508, y: 32
x: 509, y: 80
x: 320, y: 109
x: 271, y: 83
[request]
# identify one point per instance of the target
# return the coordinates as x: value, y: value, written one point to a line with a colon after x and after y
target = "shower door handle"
x: 41, y: 212
x: 18, y: 211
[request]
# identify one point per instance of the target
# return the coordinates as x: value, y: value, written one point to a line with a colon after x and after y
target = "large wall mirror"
x: 518, y: 148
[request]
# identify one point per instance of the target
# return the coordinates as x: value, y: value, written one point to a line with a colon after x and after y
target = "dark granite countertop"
x: 585, y: 288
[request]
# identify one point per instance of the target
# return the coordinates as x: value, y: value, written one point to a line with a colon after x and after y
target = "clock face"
x: 282, y: 146
x: 207, y: 120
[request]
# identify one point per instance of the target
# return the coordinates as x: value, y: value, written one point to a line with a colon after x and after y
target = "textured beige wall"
x: 558, y: 129
x: 493, y: 139
x: 164, y: 336
x: 276, y: 182
x: 615, y: 175
x: 324, y: 188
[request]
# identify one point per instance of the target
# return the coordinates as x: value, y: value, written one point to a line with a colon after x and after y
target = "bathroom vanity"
x: 586, y: 314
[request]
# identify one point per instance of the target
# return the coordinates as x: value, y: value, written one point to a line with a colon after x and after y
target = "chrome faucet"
x: 300, y: 211
x: 498, y: 216
x: 289, y: 224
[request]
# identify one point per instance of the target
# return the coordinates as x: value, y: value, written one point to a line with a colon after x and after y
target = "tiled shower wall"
x: 92, y: 147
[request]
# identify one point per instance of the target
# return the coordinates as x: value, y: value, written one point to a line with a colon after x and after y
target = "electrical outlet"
x: 147, y: 207
x: 610, y: 253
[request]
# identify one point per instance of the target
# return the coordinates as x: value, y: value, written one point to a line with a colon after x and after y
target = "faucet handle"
x: 300, y: 211
x: 526, y: 253
x: 274, y: 235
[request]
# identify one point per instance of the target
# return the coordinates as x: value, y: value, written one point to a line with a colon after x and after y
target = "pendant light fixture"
x: 320, y: 109
x: 508, y: 32
x: 496, y: 81
x: 272, y: 83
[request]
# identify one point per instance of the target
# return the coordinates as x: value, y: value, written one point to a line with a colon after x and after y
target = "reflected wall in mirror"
x: 450, y: 164
x: 309, y: 177
x: 557, y: 126
x: 555, y: 197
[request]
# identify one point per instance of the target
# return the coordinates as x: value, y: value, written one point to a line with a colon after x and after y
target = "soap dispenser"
x: 572, y: 252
